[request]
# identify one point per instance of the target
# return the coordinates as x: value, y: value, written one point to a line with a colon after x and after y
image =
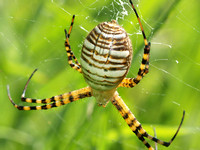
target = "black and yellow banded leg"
x: 136, y: 126
x: 54, y: 101
x: 70, y: 54
x: 31, y: 100
x: 44, y: 101
x: 129, y: 118
x: 145, y: 134
x: 144, y: 69
x: 63, y: 99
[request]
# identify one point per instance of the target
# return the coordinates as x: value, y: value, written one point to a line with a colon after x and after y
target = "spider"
x: 105, y: 61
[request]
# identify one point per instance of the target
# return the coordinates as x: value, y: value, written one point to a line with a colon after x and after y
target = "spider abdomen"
x: 106, y: 56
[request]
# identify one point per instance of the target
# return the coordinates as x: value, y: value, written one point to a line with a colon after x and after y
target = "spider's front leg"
x: 54, y: 101
x: 136, y: 126
x: 129, y: 118
x: 70, y: 54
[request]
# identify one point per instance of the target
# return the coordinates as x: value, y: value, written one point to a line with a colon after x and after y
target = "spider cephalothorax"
x: 105, y: 60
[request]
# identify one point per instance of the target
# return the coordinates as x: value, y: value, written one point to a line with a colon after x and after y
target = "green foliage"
x: 32, y: 36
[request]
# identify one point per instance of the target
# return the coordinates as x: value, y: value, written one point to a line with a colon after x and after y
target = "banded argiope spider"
x: 105, y: 60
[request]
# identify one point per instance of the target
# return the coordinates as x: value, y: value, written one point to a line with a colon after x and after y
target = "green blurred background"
x: 32, y: 36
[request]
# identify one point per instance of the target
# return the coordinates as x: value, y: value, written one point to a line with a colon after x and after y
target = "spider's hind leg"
x: 70, y: 54
x: 144, y: 69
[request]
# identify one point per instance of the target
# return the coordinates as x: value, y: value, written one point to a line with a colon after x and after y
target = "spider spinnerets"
x: 105, y: 61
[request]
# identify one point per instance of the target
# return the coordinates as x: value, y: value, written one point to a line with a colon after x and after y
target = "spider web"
x: 72, y: 126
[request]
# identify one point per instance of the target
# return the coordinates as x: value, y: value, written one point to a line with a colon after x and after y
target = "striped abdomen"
x: 106, y: 56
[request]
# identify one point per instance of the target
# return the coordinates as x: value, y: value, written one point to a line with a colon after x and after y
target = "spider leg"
x: 129, y: 118
x: 65, y: 99
x: 136, y: 126
x: 144, y: 133
x: 131, y: 82
x: 31, y: 100
x: 70, y: 54
x: 156, y: 147
x: 144, y: 67
x: 54, y: 101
